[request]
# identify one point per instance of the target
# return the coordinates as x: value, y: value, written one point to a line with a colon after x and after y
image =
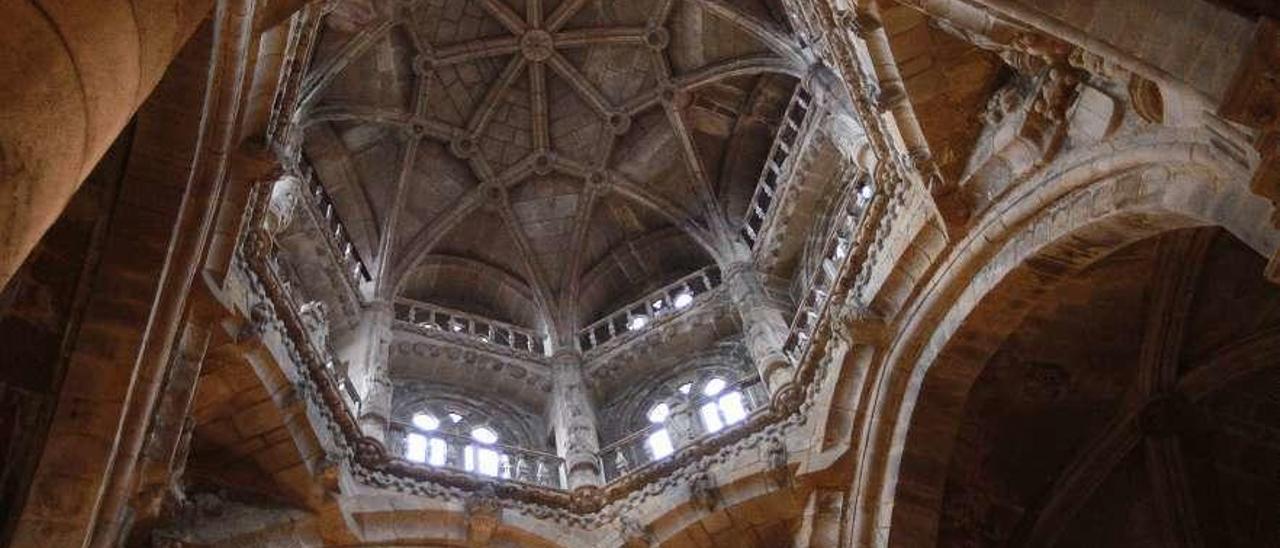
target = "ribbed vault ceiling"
x: 543, y: 161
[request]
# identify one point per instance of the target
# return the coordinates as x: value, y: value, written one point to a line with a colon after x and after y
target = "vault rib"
x: 480, y: 118
x: 430, y: 128
x: 426, y: 238
x: 538, y: 108
x: 619, y: 36
x: 537, y: 277
x: 354, y: 48
x: 563, y: 13
x: 581, y: 222
x: 773, y: 37
x: 475, y: 49
x: 693, y: 162
x: 661, y: 12
x: 580, y: 84
x: 633, y: 191
x: 740, y: 66
x: 533, y: 13
x: 503, y: 14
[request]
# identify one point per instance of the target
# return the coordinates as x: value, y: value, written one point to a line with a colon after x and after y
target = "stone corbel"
x: 774, y: 455
x: 483, y: 514
x: 703, y: 491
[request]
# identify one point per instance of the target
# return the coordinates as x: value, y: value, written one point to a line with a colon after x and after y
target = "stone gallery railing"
x: 316, y: 324
x: 685, y: 425
x: 435, y: 320
x: 308, y: 363
x: 839, y: 243
x: 436, y: 448
x: 325, y: 212
x: 645, y: 313
x: 796, y: 120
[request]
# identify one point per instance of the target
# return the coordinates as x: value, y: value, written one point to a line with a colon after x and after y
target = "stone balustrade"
x: 839, y: 242
x: 462, y: 453
x: 435, y: 320
x: 327, y: 214
x: 685, y: 426
x: 645, y: 313
x: 796, y: 121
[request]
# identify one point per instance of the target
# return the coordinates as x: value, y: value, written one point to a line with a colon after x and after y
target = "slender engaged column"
x: 763, y: 325
x: 369, y: 355
x: 574, y: 420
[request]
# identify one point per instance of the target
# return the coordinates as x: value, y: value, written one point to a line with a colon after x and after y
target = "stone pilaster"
x: 763, y: 324
x: 574, y: 419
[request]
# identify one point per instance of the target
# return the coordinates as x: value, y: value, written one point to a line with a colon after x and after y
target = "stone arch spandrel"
x: 1087, y: 205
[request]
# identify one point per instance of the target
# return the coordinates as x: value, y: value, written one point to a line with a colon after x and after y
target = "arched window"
x: 482, y: 457
x: 448, y: 437
x: 723, y: 407
x: 658, y: 443
x: 423, y: 446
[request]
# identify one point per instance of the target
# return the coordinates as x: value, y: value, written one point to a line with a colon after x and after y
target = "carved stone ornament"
x: 774, y: 454
x: 286, y: 195
x: 315, y: 318
x: 703, y: 492
x: 484, y: 513
x: 259, y: 317
x: 634, y: 534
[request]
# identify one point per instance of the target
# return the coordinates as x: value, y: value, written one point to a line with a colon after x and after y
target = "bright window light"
x: 683, y: 300
x: 425, y: 421
x: 484, y: 435
x: 685, y: 388
x: 637, y: 322
x: 659, y: 413
x: 486, y: 461
x: 657, y: 305
x: 731, y: 407
x: 437, y: 452
x: 659, y: 444
x: 713, y: 387
x: 455, y: 417
x: 415, y: 448
x: 711, y: 417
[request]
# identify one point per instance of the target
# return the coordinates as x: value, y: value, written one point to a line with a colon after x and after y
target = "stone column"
x: 574, y: 420
x: 369, y: 355
x: 763, y: 324
x: 73, y: 73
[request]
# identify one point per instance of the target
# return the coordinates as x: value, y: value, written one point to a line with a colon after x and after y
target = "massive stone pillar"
x: 574, y: 420
x: 73, y: 73
x: 763, y: 324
